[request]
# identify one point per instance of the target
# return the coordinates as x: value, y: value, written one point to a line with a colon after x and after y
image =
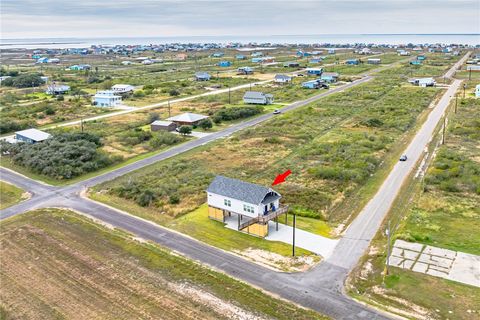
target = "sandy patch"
x: 278, y: 262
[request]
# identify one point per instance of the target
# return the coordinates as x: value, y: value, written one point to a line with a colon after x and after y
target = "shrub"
x: 162, y: 138
x: 24, y: 81
x: 205, y: 124
x: 174, y: 92
x: 185, y: 130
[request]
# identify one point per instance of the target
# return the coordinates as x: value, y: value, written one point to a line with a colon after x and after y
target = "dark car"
x: 276, y: 111
x: 403, y: 158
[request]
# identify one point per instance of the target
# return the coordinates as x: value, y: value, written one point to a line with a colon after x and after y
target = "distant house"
x: 107, y: 98
x: 313, y: 84
x: 254, y: 205
x: 240, y: 57
x: 191, y: 119
x: 55, y: 89
x: 365, y: 51
x: 181, y: 56
x: 423, y: 82
x: 123, y: 89
x: 473, y: 68
x: 256, y: 97
x: 53, y: 60
x: 31, y: 136
x: 374, y: 61
x: 421, y: 57
x: 416, y: 63
x: 224, y: 64
x: 80, y: 67
x: 314, y: 71
x: 126, y: 63
x: 352, y: 62
x: 160, y: 125
x: 403, y: 53
x: 42, y: 60
x: 257, y: 54
x: 329, y: 77
x: 282, y: 78
x: 147, y: 61
x: 291, y: 64
x: 477, y: 91
x: 245, y: 70
x: 263, y: 59
x: 315, y: 60
x: 331, y: 51
x: 218, y: 54
x: 202, y: 76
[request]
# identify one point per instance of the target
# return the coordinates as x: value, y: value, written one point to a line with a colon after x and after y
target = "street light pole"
x: 388, y: 247
x: 294, y: 225
x: 464, y: 88
x: 444, y: 126
x: 456, y: 102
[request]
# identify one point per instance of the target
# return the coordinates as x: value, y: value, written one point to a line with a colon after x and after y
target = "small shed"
x: 123, y: 89
x: 291, y: 64
x: 374, y: 61
x: 57, y: 89
x: 240, y: 57
x: 352, y: 62
x: 256, y: 97
x: 477, y: 91
x: 161, y: 125
x: 190, y: 119
x: 31, y: 136
x: 245, y: 70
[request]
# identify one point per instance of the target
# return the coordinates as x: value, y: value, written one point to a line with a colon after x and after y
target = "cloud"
x: 117, y: 18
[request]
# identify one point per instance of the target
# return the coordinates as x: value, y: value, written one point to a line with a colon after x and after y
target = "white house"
x: 31, y: 136
x: 282, y: 78
x: 477, y: 91
x: 256, y: 97
x: 106, y: 98
x: 57, y: 89
x: 254, y: 205
x: 423, y: 82
x: 122, y: 88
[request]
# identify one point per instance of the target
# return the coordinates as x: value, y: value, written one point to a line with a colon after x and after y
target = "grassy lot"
x: 9, y: 195
x: 332, y: 147
x: 58, y: 264
x: 439, y: 210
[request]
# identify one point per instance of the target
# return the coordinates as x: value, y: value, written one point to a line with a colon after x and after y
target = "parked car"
x: 403, y: 158
x: 276, y: 111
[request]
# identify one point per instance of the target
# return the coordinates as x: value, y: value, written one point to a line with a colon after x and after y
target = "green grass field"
x: 9, y: 195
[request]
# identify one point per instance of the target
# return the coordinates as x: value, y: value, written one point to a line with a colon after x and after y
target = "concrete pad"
x: 440, y: 269
x: 420, y: 267
x: 426, y: 258
x: 397, y: 252
x: 303, y: 239
x: 436, y: 273
x: 408, y: 245
x: 440, y: 252
x: 407, y: 264
x: 396, y: 261
x: 466, y: 269
x: 412, y: 255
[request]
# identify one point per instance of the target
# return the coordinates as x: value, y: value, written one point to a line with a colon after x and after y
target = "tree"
x: 185, y: 130
x: 174, y: 92
x: 24, y: 81
x: 205, y: 124
x: 153, y: 116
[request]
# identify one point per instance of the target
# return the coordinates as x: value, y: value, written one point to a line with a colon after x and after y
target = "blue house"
x: 224, y: 64
x: 218, y: 54
x: 202, y: 76
x: 257, y: 60
x: 329, y: 77
x: 315, y: 60
x: 257, y: 54
x: 421, y: 57
x: 314, y: 71
x: 312, y: 84
x: 42, y: 60
x: 352, y: 62
x: 416, y: 63
x: 240, y: 57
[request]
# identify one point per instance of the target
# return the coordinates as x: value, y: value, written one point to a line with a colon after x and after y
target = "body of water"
x: 468, y: 39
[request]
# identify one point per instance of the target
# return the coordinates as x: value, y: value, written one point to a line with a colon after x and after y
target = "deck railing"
x: 264, y: 218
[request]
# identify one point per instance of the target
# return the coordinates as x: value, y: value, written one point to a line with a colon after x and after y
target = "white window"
x: 248, y: 208
x: 227, y: 202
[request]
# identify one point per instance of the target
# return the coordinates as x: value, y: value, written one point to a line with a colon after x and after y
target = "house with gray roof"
x: 253, y: 204
x: 187, y: 118
x: 31, y: 136
x: 256, y: 97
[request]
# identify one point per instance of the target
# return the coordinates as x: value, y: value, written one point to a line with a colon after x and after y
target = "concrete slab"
x: 466, y: 269
x: 408, y: 245
x: 436, y: 273
x: 440, y: 252
x: 396, y: 261
x: 397, y: 252
x: 420, y: 267
x: 412, y: 255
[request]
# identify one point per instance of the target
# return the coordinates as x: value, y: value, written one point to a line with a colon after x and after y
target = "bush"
x: 174, y: 199
x: 205, y: 124
x: 63, y: 156
x: 185, y: 130
x: 234, y: 113
x: 153, y: 116
x: 174, y: 92
x: 162, y: 138
x: 24, y: 81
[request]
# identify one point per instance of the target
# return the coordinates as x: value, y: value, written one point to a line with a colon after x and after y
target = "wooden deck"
x: 264, y: 218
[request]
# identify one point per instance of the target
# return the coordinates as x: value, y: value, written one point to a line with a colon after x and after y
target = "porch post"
x: 238, y: 222
x: 286, y: 218
x: 276, y: 222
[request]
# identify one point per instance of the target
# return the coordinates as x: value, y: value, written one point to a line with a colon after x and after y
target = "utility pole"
x: 229, y: 96
x: 169, y: 109
x: 388, y: 247
x: 456, y: 102
x: 444, y: 126
x: 81, y: 124
x: 464, y: 88
x: 470, y: 74
x: 293, y: 242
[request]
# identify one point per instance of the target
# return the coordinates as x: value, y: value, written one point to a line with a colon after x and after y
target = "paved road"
x: 320, y: 288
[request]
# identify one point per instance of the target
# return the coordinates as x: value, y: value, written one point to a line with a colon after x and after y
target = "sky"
x: 148, y: 18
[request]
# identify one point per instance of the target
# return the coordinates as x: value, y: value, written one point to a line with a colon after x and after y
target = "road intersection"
x: 321, y: 288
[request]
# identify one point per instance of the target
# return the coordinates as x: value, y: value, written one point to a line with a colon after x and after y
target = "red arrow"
x: 281, y: 177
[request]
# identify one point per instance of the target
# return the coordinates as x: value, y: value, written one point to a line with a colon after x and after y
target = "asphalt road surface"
x: 321, y: 288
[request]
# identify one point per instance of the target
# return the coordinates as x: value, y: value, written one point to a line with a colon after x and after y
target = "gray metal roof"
x: 188, y: 117
x: 256, y: 95
x: 34, y: 134
x: 161, y: 123
x: 239, y: 190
